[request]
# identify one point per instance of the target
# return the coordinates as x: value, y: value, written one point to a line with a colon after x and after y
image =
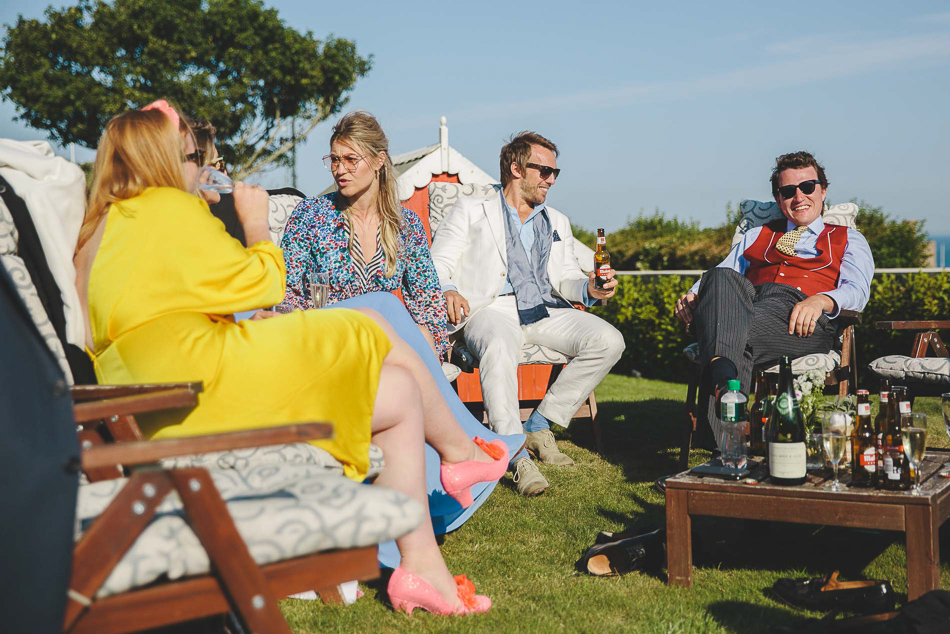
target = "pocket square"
x: 557, y: 238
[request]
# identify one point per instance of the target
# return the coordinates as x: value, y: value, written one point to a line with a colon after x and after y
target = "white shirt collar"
x: 817, y: 225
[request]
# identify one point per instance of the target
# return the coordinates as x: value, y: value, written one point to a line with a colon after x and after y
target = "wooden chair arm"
x: 124, y: 403
x: 145, y: 452
x: 92, y: 392
x: 911, y: 325
x: 848, y: 318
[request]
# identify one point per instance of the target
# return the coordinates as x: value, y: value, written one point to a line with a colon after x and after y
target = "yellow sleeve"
x: 201, y: 267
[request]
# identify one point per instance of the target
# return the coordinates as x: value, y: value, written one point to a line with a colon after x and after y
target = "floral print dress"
x: 316, y: 239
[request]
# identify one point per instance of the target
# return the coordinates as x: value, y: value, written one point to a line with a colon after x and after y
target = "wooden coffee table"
x: 919, y: 517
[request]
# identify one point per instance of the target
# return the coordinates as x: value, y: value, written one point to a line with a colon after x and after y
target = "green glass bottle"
x: 786, y: 432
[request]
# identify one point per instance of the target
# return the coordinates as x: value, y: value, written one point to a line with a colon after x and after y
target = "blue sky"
x: 678, y: 106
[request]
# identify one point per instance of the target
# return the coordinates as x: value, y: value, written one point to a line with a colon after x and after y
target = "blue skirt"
x: 447, y: 514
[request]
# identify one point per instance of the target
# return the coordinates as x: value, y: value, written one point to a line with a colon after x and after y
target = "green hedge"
x: 643, y: 311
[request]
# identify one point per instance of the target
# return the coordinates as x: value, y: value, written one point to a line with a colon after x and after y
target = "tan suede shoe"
x: 542, y: 444
x: 528, y: 478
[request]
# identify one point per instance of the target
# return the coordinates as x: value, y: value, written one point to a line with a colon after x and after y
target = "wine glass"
x: 945, y: 406
x: 915, y: 443
x: 211, y: 180
x: 319, y: 288
x: 833, y: 437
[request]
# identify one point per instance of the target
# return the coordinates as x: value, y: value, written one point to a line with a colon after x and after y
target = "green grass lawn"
x: 522, y: 551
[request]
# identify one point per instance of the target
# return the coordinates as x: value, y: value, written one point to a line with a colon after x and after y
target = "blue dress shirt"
x: 854, y: 277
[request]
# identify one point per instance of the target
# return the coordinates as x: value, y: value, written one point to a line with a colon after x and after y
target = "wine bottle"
x: 863, y: 446
x: 786, y: 432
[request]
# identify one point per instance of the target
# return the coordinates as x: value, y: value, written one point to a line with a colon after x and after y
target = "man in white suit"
x: 508, y: 270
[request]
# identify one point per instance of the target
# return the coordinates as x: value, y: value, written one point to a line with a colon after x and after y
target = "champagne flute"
x: 319, y: 288
x: 211, y: 180
x: 945, y: 406
x: 915, y: 443
x: 833, y: 427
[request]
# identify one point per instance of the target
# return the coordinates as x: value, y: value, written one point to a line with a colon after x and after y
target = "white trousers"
x: 496, y: 336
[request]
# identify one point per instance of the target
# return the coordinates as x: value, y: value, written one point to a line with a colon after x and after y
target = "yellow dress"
x: 166, y: 279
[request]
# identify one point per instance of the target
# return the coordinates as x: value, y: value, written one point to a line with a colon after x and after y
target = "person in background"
x: 158, y: 278
x: 360, y: 236
x: 320, y: 238
x: 507, y: 266
x: 780, y: 289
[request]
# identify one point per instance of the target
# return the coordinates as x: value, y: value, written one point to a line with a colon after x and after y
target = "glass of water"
x: 834, y: 427
x: 319, y: 289
x: 211, y: 180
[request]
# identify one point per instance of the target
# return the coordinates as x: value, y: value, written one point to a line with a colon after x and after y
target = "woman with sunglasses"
x: 159, y: 277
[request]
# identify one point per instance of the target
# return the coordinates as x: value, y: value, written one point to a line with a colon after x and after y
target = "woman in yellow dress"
x: 159, y: 278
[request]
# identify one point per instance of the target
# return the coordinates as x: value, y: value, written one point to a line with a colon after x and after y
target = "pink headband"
x: 161, y: 104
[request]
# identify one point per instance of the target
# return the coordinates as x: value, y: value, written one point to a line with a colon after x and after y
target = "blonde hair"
x: 362, y: 130
x: 138, y: 149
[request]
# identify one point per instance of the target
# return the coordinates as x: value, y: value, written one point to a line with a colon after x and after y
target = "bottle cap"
x: 734, y: 384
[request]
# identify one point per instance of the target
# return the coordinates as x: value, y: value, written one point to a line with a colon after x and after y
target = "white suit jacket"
x: 469, y: 253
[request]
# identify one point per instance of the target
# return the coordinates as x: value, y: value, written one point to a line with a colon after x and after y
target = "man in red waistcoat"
x: 780, y: 288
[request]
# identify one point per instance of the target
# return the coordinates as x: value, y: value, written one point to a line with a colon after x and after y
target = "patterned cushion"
x: 281, y: 206
x: 8, y: 232
x: 929, y: 370
x: 294, y: 454
x: 756, y: 214
x: 24, y: 286
x: 443, y: 195
x: 281, y: 512
x: 824, y: 362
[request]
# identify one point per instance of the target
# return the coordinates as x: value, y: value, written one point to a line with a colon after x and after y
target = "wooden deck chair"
x: 925, y: 374
x: 128, y: 575
x: 839, y: 365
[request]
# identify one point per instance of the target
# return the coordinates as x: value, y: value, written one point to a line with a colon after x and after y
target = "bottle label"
x: 602, y: 271
x: 601, y: 239
x: 784, y: 403
x: 729, y: 413
x: 889, y: 468
x: 864, y: 409
x: 905, y: 407
x: 869, y: 460
x: 787, y: 459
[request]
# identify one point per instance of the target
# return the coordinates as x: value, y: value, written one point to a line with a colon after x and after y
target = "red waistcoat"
x: 809, y: 275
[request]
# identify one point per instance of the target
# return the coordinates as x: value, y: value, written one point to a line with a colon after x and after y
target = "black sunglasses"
x: 807, y: 187
x: 197, y: 157
x: 545, y: 170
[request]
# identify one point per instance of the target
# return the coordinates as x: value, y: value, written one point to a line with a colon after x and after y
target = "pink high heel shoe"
x: 457, y: 479
x: 408, y: 592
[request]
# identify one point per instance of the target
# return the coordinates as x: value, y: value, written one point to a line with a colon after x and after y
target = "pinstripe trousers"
x: 748, y: 325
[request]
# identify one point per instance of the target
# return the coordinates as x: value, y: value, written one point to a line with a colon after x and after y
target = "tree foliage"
x: 233, y: 62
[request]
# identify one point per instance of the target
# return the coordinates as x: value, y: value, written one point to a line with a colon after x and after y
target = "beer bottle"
x: 903, y: 409
x: 879, y: 424
x: 898, y: 476
x: 601, y: 260
x: 758, y: 417
x: 786, y: 432
x: 863, y: 449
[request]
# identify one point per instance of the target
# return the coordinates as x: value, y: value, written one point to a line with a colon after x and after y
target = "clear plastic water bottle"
x: 735, y: 426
